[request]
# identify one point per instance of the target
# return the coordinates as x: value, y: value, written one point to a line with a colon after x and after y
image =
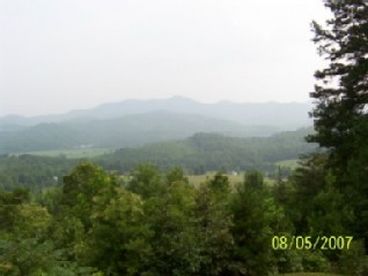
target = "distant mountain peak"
x: 281, y: 115
x: 181, y: 99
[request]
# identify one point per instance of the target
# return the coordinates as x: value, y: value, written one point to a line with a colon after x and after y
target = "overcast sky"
x: 58, y: 55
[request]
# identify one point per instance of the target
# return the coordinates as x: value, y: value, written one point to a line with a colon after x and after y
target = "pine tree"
x: 341, y: 111
x: 342, y: 90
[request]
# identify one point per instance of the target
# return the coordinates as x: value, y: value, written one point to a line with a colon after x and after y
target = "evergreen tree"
x: 254, y: 215
x: 214, y: 222
x: 342, y: 90
x: 341, y: 113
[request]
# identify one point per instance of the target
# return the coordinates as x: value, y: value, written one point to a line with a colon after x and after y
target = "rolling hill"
x: 207, y: 152
x: 127, y: 131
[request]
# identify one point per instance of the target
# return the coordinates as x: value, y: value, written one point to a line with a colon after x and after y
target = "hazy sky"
x: 57, y: 55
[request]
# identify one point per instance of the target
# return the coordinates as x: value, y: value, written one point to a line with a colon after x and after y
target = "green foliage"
x: 254, y: 180
x: 51, y: 198
x: 355, y: 187
x: 146, y: 181
x: 197, y: 155
x: 256, y: 219
x: 354, y: 261
x: 176, y: 175
x: 174, y: 241
x: 340, y: 107
x: 328, y: 211
x: 24, y: 245
x: 160, y: 224
x: 220, y: 184
x: 214, y: 222
x: 117, y: 240
x: 341, y: 118
x: 306, y: 183
x: 9, y: 207
x: 156, y: 223
x: 32, y: 172
x: 210, y: 152
x: 80, y: 188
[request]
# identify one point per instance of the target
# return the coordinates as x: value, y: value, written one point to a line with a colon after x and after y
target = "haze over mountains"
x: 137, y: 122
x: 288, y: 115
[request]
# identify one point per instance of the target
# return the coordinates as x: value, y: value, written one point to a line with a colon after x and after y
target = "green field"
x: 291, y: 164
x: 198, y: 179
x: 72, y: 153
x: 311, y: 274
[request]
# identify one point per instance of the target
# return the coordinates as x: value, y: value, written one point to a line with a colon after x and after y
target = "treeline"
x: 33, y: 172
x: 208, y: 152
x: 159, y: 224
x: 196, y: 155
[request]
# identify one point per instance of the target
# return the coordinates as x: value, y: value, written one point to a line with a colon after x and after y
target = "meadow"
x: 72, y: 153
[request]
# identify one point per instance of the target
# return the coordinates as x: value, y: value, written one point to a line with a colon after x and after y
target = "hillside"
x: 206, y: 152
x: 197, y: 154
x: 127, y: 131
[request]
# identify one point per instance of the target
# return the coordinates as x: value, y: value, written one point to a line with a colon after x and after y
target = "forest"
x: 197, y: 154
x: 134, y: 211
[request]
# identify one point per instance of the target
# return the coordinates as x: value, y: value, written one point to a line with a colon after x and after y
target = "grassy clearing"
x: 311, y: 274
x: 234, y: 179
x: 291, y: 164
x: 73, y: 153
x: 196, y: 180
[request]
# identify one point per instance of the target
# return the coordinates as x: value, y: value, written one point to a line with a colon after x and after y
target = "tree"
x: 146, y: 181
x: 25, y: 246
x: 256, y: 219
x: 220, y: 184
x: 341, y: 113
x: 175, y: 242
x: 214, y: 222
x: 254, y: 180
x: 81, y: 186
x: 176, y: 174
x: 307, y: 182
x: 342, y: 93
x: 117, y: 241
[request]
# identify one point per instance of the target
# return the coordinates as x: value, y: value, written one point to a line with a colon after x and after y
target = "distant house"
x: 234, y: 173
x: 85, y: 146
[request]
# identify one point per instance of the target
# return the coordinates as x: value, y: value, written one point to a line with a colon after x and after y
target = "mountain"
x: 282, y: 115
x: 12, y: 122
x: 127, y: 131
x: 207, y: 152
x: 287, y: 116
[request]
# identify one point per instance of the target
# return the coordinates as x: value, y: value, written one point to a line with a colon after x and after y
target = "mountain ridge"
x: 290, y: 115
x: 127, y: 131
